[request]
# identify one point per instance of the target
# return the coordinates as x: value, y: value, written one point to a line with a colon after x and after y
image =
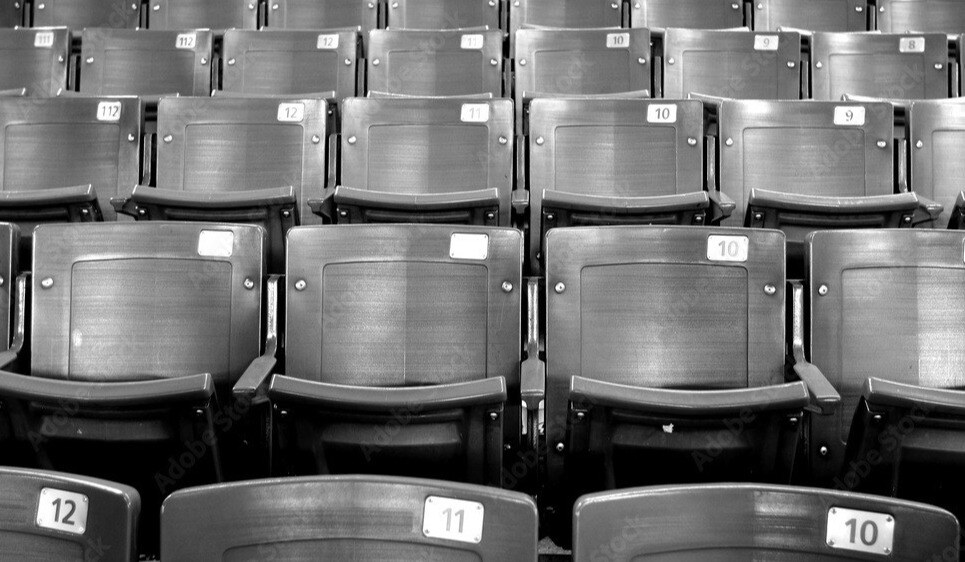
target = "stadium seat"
x: 435, y: 63
x: 9, y: 269
x: 554, y: 62
x: 87, y: 144
x: 665, y: 359
x: 11, y: 13
x: 443, y: 14
x: 937, y: 137
x: 55, y: 516
x: 270, y: 62
x: 573, y: 14
x: 35, y: 59
x: 921, y: 16
x: 145, y: 63
x: 816, y: 165
x: 731, y: 64
x: 78, y: 14
x: 348, y: 518
x: 241, y: 160
x: 813, y: 15
x: 209, y: 14
x: 691, y: 14
x: 605, y: 161
x: 758, y: 522
x: 879, y: 65
x: 402, y: 353
x: 324, y: 14
x: 885, y: 329
x: 424, y: 160
x: 136, y: 331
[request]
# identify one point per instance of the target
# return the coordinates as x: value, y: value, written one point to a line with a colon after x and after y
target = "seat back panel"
x: 937, y: 134
x: 324, y: 14
x: 814, y: 15
x: 693, y: 14
x: 78, y: 14
x: 35, y: 59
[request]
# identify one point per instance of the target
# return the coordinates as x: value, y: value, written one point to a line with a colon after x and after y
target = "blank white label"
x: 849, y: 116
x: 186, y: 41
x: 727, y: 248
x: 327, y: 42
x: 469, y: 246
x: 44, y: 39
x: 109, y: 111
x: 474, y: 113
x: 863, y: 531
x: 62, y: 511
x: 662, y: 113
x: 291, y: 112
x: 617, y: 40
x: 216, y: 243
x: 455, y: 520
x: 911, y: 45
x: 474, y: 42
x: 766, y: 42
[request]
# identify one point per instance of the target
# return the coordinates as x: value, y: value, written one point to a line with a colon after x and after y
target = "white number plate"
x: 327, y: 42
x: 863, y: 531
x: 474, y: 113
x: 618, y: 41
x: 472, y: 42
x: 911, y: 45
x: 216, y: 243
x: 44, y: 39
x: 109, y: 111
x: 62, y: 511
x: 662, y: 113
x: 455, y: 520
x: 186, y: 41
x: 469, y: 246
x: 766, y: 42
x: 727, y: 248
x: 291, y: 112
x: 849, y: 116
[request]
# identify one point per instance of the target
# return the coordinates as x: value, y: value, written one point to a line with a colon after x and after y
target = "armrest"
x: 60, y: 195
x: 212, y: 200
x: 254, y: 381
x: 721, y: 206
x: 928, y: 210
x: 376, y: 399
x: 628, y: 205
x: 189, y: 389
x: 932, y: 400
x: 325, y: 206
x: 416, y: 202
x: 533, y: 373
x: 833, y: 205
x: 21, y: 291
x: 522, y: 166
x: 824, y: 398
x: 788, y: 396
x: 520, y: 202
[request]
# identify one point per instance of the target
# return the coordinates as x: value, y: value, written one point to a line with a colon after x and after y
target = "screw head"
x: 89, y: 60
x: 493, y: 416
x: 503, y: 140
x: 231, y: 62
x: 249, y: 284
x: 540, y: 141
x: 560, y: 447
x: 919, y: 144
x: 671, y: 61
x: 376, y: 62
x: 770, y: 290
x: 47, y: 282
x: 522, y: 62
x: 352, y: 140
x: 560, y: 287
x: 823, y: 290
x: 300, y: 285
x: 641, y: 60
x: 131, y: 137
x: 729, y: 142
x: 823, y: 451
x: 507, y: 287
x: 168, y: 138
x: 882, y: 144
x: 316, y: 139
x: 692, y: 141
x: 819, y: 64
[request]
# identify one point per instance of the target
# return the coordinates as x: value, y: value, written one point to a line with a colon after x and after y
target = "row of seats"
x: 160, y: 354
x: 56, y: 516
x: 725, y: 63
x: 943, y: 16
x: 281, y: 162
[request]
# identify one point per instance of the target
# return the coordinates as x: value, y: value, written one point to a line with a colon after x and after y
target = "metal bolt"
x: 316, y: 139
x: 249, y: 284
x: 823, y: 290
x: 204, y: 61
x: 886, y: 550
x: 580, y: 416
x: 60, y: 58
x: 352, y: 140
x: 550, y: 217
x: 671, y: 61
x: 376, y: 62
x: 560, y: 287
x: 540, y: 141
x: 348, y: 62
x: 882, y: 144
x: 522, y: 62
x: 231, y: 62
x: 503, y: 140
x: 286, y: 214
x: 729, y: 142
x: 791, y: 64
x: 819, y: 64
x: 493, y: 62
x: 168, y: 138
x: 919, y: 144
x: 507, y: 287
x: 642, y: 60
x: 131, y: 137
x: 41, y: 6
x: 2, y: 281
x: 823, y: 451
x: 47, y: 283
x: 939, y: 66
x: 692, y: 141
x: 157, y: 7
x: 493, y: 416
x: 300, y: 285
x: 770, y: 290
x: 758, y: 216
x: 89, y: 60
x: 560, y: 447
x: 490, y: 216
x: 342, y: 213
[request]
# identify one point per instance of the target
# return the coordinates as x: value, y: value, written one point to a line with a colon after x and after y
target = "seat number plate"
x: 618, y: 41
x: 455, y: 520
x: 186, y: 41
x: 911, y: 45
x: 474, y: 113
x: 327, y: 42
x: 728, y: 248
x: 291, y: 112
x: 662, y: 113
x: 766, y: 42
x: 109, y: 111
x: 469, y: 246
x: 472, y: 42
x: 849, y: 116
x: 44, y: 39
x: 862, y: 531
x: 62, y: 511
